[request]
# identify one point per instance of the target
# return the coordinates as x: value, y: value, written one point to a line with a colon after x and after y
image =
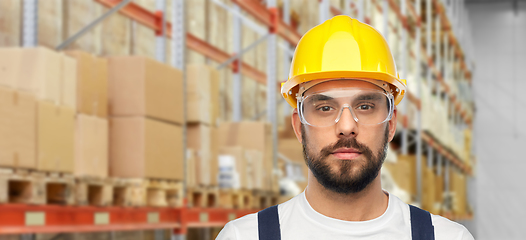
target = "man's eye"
x: 365, y: 107
x: 325, y: 108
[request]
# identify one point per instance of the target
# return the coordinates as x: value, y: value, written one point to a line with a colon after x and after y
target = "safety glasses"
x: 325, y: 108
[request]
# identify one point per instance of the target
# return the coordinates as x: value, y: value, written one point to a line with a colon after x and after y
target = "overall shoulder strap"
x: 421, y: 224
x: 268, y: 224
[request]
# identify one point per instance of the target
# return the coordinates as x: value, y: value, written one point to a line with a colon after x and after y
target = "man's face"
x: 345, y: 157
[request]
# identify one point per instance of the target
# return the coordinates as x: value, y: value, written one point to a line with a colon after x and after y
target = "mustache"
x: 350, y: 142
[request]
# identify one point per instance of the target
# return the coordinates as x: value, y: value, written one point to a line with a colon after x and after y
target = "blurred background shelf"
x: 223, y: 147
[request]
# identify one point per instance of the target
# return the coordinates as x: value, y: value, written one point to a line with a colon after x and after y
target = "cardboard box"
x: 91, y: 146
x: 439, y: 189
x: 292, y: 149
x: 255, y: 136
x: 406, y: 172
x: 145, y: 148
x: 241, y: 167
x: 55, y: 137
x: 191, y: 178
x: 68, y: 96
x: 18, y: 122
x: 214, y: 162
x: 140, y: 86
x: 215, y: 114
x: 428, y: 190
x: 92, y: 84
x: 199, y: 138
x: 35, y: 70
x: 288, y: 131
x: 257, y: 173
x: 198, y: 94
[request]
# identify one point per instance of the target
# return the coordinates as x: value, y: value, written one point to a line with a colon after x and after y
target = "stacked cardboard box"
x: 292, y: 149
x: 254, y: 137
x: 202, y: 101
x: 146, y: 108
x: 202, y: 141
x: 37, y: 87
x: 458, y: 189
x: 429, y: 190
x: 91, y: 123
x: 466, y: 156
x: 439, y: 192
x: 404, y: 172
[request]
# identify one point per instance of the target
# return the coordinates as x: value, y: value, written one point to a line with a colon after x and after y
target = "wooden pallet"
x: 35, y: 187
x: 147, y: 192
x: 202, y: 196
x: 264, y: 199
x: 236, y: 199
x: 94, y: 191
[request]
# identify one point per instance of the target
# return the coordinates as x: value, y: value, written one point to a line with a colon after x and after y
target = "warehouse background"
x: 131, y: 161
x: 499, y: 30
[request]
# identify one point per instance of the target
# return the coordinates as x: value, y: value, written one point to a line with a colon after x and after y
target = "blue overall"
x: 421, y: 225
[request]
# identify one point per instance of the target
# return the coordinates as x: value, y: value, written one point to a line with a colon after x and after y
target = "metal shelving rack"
x: 30, y: 219
x: 404, y: 11
x: 27, y: 219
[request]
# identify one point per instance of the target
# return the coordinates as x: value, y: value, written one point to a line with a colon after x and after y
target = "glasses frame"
x: 389, y: 96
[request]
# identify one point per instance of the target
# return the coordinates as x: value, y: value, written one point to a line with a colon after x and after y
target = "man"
x: 344, y: 89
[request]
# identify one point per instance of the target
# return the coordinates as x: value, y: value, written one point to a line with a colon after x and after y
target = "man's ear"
x: 392, y: 125
x: 296, y: 124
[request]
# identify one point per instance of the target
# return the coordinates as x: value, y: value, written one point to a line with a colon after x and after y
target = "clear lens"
x: 367, y: 106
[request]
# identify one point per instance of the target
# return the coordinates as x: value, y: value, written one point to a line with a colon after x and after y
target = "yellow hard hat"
x: 342, y: 48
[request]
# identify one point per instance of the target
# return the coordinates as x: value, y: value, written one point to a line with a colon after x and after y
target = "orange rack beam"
x: 263, y: 15
x: 463, y: 113
x: 56, y: 218
x: 152, y: 20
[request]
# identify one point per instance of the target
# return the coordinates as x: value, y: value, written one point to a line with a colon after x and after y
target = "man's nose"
x: 346, y: 125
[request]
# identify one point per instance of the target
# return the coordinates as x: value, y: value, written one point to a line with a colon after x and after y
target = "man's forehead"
x: 344, y: 83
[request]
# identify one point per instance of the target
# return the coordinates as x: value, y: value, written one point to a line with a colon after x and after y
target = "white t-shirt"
x: 298, y: 220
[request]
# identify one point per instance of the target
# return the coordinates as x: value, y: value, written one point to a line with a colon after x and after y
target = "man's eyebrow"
x: 321, y: 97
x: 369, y: 96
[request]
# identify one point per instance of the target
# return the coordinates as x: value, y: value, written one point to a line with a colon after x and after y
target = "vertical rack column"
x: 403, y: 107
x: 272, y: 83
x: 30, y: 23
x: 236, y: 84
x: 160, y: 36
x: 419, y: 79
x: 286, y: 56
x: 178, y: 61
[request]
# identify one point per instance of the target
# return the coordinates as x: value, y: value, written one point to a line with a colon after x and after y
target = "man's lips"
x: 346, y: 153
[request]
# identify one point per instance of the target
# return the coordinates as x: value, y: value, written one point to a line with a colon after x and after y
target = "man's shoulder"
x: 247, y: 226
x: 447, y: 229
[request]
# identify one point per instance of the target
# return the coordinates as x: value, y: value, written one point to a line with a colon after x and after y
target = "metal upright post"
x: 30, y: 23
x: 160, y: 38
x: 429, y: 40
x: 324, y: 10
x: 439, y: 164
x: 385, y: 12
x: 361, y: 12
x: 445, y: 60
x: 418, y: 113
x: 437, y: 44
x: 446, y: 177
x: 178, y: 61
x: 237, y: 84
x: 287, y: 58
x: 430, y: 156
x: 272, y: 83
x: 405, y: 133
x: 347, y: 8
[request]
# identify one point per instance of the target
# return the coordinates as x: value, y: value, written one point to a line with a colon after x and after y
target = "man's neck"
x: 366, y: 205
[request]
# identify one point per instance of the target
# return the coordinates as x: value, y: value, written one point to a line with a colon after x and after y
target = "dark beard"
x: 343, y: 181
